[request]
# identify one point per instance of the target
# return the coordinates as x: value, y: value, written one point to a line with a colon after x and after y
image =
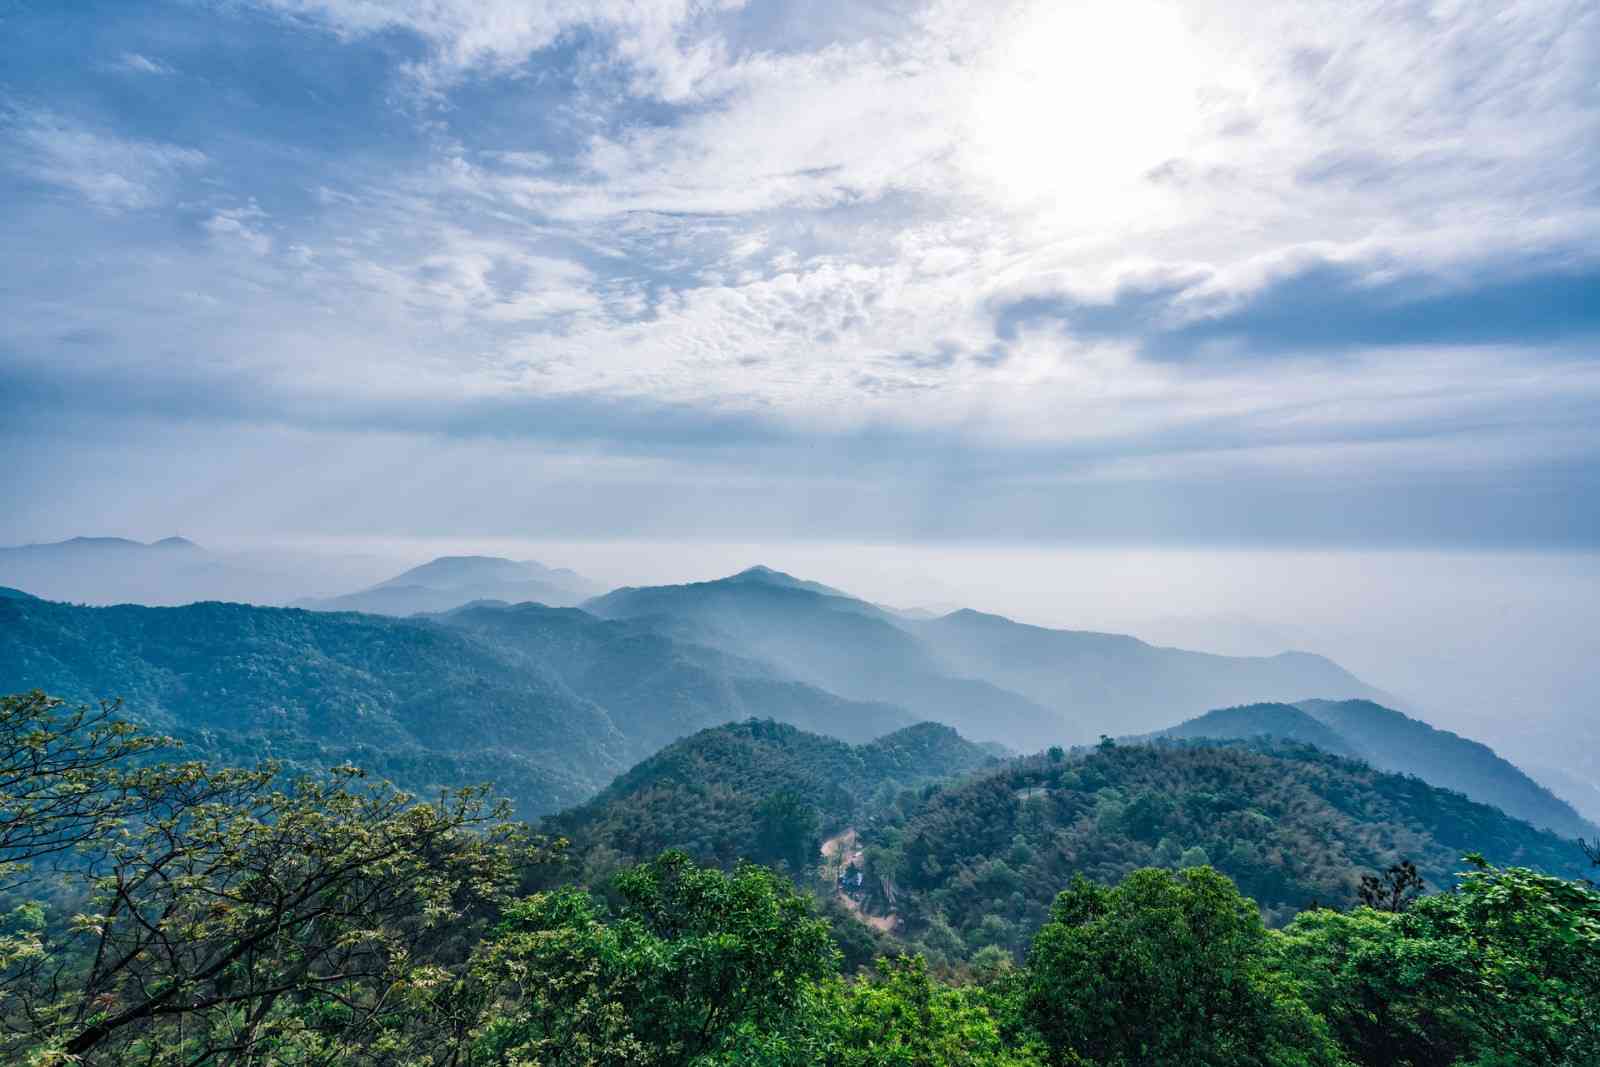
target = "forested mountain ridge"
x: 1283, y: 721
x: 659, y: 685
x: 233, y: 678
x: 838, y: 643
x: 977, y: 861
x: 990, y: 677
x: 549, y: 705
x: 1392, y: 741
x: 405, y: 933
x: 759, y: 790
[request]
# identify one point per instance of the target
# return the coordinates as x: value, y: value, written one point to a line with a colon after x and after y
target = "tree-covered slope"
x: 989, y: 677
x: 547, y: 704
x: 249, y: 680
x: 759, y: 789
x: 840, y: 644
x: 657, y: 685
x: 1283, y: 721
x: 1392, y: 741
x: 978, y: 862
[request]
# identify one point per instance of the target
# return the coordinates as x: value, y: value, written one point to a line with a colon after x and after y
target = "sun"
x: 1077, y: 102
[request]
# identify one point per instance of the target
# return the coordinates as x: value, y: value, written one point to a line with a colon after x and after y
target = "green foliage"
x: 689, y: 958
x: 244, y: 916
x: 564, y: 700
x: 64, y: 777
x: 751, y: 790
x: 787, y: 832
x: 1166, y: 968
x: 1290, y: 825
x: 180, y: 914
x: 902, y: 1017
x: 1503, y: 970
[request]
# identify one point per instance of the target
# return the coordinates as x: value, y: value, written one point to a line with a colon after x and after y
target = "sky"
x: 1214, y: 280
x: 1096, y: 271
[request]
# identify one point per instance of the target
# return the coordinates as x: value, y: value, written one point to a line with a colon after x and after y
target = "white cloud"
x: 822, y: 234
x: 134, y: 63
x: 112, y: 173
x: 499, y: 35
x: 242, y: 226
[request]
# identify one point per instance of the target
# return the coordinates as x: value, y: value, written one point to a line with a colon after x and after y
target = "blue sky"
x: 1208, y: 272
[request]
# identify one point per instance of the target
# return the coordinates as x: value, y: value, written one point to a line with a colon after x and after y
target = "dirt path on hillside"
x: 840, y: 852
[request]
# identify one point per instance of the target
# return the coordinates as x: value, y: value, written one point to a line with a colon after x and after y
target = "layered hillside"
x: 838, y: 643
x: 990, y: 677
x: 715, y: 794
x: 238, y: 680
x: 1115, y: 684
x: 978, y: 862
x: 548, y: 705
x: 1392, y: 741
x: 1283, y: 721
x: 659, y: 686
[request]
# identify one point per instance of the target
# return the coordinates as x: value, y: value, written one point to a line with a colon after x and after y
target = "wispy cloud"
x: 1125, y: 237
x: 135, y: 63
x: 110, y: 172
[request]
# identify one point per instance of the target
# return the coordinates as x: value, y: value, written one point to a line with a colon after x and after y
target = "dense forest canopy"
x: 1392, y: 741
x: 168, y: 913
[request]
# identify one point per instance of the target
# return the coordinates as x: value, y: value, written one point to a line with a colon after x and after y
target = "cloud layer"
x: 1177, y: 259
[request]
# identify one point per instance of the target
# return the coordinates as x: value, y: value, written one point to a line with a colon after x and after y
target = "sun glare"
x: 1079, y: 101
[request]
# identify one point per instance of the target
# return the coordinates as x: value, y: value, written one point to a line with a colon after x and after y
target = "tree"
x: 1394, y: 890
x: 899, y: 1016
x: 788, y: 831
x: 1353, y: 971
x: 903, y: 1018
x: 65, y: 778
x: 1166, y: 968
x: 1503, y: 969
x: 690, y: 958
x: 242, y: 916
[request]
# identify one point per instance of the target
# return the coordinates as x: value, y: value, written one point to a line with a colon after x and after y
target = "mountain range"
x: 556, y: 701
x: 989, y: 677
x: 1392, y: 741
x: 452, y: 581
x: 174, y: 570
x: 961, y: 850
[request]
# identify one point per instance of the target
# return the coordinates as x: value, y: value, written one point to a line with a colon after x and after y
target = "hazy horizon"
x: 1500, y: 646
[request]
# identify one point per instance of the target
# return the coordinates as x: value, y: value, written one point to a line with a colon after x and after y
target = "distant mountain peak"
x: 81, y: 544
x: 449, y: 582
x: 770, y: 576
x: 761, y: 570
